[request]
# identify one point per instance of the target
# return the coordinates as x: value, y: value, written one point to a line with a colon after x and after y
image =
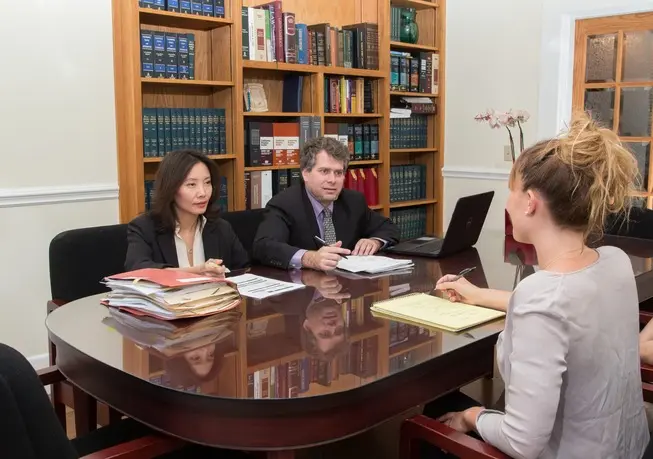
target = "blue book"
x: 218, y: 8
x: 302, y: 43
x: 147, y: 54
x: 172, y: 5
x: 185, y: 6
x: 183, y: 71
x: 171, y: 55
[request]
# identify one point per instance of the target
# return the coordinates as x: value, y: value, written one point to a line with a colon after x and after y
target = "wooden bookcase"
x: 220, y: 73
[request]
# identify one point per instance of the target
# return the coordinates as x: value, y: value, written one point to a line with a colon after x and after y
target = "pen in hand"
x: 323, y: 243
x: 464, y: 272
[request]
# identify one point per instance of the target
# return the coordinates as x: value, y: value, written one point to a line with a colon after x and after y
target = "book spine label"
x: 196, y: 7
x: 172, y: 5
x: 146, y: 3
x: 182, y: 58
x: 374, y: 141
x: 159, y: 54
x: 207, y: 8
x: 191, y: 55
x: 146, y: 133
x: 245, y: 31
x: 222, y: 113
x: 159, y: 4
x: 171, y: 55
x: 289, y: 38
x: 160, y: 131
x: 185, y: 121
x: 218, y: 8
x: 205, y: 130
x: 147, y: 54
x: 185, y: 7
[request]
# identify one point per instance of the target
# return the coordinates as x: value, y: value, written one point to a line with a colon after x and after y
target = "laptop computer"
x: 463, y: 231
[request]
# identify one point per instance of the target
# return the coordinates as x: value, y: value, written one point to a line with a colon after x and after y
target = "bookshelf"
x: 216, y: 91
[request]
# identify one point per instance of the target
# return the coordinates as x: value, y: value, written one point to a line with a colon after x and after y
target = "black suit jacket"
x: 290, y: 224
x: 150, y: 246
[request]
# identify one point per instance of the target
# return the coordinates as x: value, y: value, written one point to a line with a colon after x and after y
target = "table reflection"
x: 319, y: 339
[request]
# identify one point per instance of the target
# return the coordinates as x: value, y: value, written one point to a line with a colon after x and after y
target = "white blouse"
x: 198, y: 246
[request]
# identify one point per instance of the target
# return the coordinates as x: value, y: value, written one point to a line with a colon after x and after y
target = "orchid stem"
x: 521, y: 138
x: 512, y: 144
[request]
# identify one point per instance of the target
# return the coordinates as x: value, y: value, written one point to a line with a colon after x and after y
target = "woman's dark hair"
x: 171, y: 175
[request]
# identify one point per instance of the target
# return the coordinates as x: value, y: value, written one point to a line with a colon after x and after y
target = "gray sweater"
x: 569, y: 358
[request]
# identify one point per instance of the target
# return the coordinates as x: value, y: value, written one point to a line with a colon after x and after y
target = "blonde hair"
x: 585, y: 175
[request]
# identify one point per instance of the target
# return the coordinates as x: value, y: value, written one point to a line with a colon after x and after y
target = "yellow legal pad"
x: 435, y: 312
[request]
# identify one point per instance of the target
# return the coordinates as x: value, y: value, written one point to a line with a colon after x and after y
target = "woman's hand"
x: 462, y: 421
x: 213, y: 267
x: 460, y: 289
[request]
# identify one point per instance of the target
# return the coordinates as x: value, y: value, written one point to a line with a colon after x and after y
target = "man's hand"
x: 325, y: 259
x: 366, y: 247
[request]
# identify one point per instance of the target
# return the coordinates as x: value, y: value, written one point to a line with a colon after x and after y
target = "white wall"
x: 58, y: 148
x: 508, y: 54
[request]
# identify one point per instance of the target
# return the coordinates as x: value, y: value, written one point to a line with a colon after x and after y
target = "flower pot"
x: 508, y: 223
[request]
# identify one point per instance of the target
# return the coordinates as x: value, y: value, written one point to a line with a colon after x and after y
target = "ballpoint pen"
x: 464, y: 272
x: 323, y: 243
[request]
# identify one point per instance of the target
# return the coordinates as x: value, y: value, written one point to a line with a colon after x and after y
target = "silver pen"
x: 464, y: 272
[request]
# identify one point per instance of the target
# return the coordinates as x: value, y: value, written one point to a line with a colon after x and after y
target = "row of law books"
x: 273, y: 35
x: 411, y: 222
x: 410, y: 132
x: 170, y: 129
x: 407, y: 182
x: 416, y: 72
x: 348, y: 95
x: 260, y: 186
x: 278, y: 144
x: 211, y: 8
x: 362, y: 140
x: 167, y: 55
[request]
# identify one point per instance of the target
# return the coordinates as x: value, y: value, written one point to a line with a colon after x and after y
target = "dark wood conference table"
x: 298, y: 369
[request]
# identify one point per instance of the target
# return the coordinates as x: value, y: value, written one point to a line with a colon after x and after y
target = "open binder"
x: 169, y: 294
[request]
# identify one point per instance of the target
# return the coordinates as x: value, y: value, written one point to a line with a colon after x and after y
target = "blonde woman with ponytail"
x: 569, y: 352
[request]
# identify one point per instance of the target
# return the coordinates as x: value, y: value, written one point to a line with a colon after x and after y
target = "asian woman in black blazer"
x: 182, y: 230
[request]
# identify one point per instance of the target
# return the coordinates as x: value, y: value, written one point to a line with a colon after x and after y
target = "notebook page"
x: 436, y: 311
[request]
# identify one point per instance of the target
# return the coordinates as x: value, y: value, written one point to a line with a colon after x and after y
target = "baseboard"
x: 39, y: 361
x: 476, y: 173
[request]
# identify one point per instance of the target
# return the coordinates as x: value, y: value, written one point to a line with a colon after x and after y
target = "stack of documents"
x: 433, y: 311
x: 373, y: 264
x: 171, y: 338
x: 260, y: 287
x: 169, y: 294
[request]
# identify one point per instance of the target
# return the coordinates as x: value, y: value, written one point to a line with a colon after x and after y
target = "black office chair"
x: 639, y: 224
x: 79, y: 259
x: 245, y: 224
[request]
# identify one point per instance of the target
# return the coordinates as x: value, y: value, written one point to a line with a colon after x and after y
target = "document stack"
x: 373, y: 264
x: 169, y: 294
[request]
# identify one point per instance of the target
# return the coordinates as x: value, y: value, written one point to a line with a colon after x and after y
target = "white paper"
x: 260, y: 287
x: 372, y: 264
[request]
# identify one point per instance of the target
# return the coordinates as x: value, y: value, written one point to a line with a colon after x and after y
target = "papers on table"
x: 260, y: 287
x: 373, y: 264
x: 170, y: 294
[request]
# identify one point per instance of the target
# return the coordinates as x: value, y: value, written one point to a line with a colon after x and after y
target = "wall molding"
x: 34, y: 196
x: 476, y: 173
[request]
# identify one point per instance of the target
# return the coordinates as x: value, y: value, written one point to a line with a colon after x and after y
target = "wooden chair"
x: 79, y: 259
x: 421, y: 428
x: 148, y: 446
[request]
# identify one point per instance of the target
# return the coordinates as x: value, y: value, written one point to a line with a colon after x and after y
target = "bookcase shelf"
x: 353, y: 115
x: 417, y: 4
x: 312, y: 69
x: 412, y: 94
x: 214, y: 157
x: 181, y: 21
x: 412, y: 47
x: 173, y: 82
x: 276, y: 114
x: 412, y: 150
x: 417, y: 202
x: 221, y: 70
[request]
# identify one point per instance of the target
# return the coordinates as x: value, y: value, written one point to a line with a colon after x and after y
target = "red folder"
x: 167, y: 277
